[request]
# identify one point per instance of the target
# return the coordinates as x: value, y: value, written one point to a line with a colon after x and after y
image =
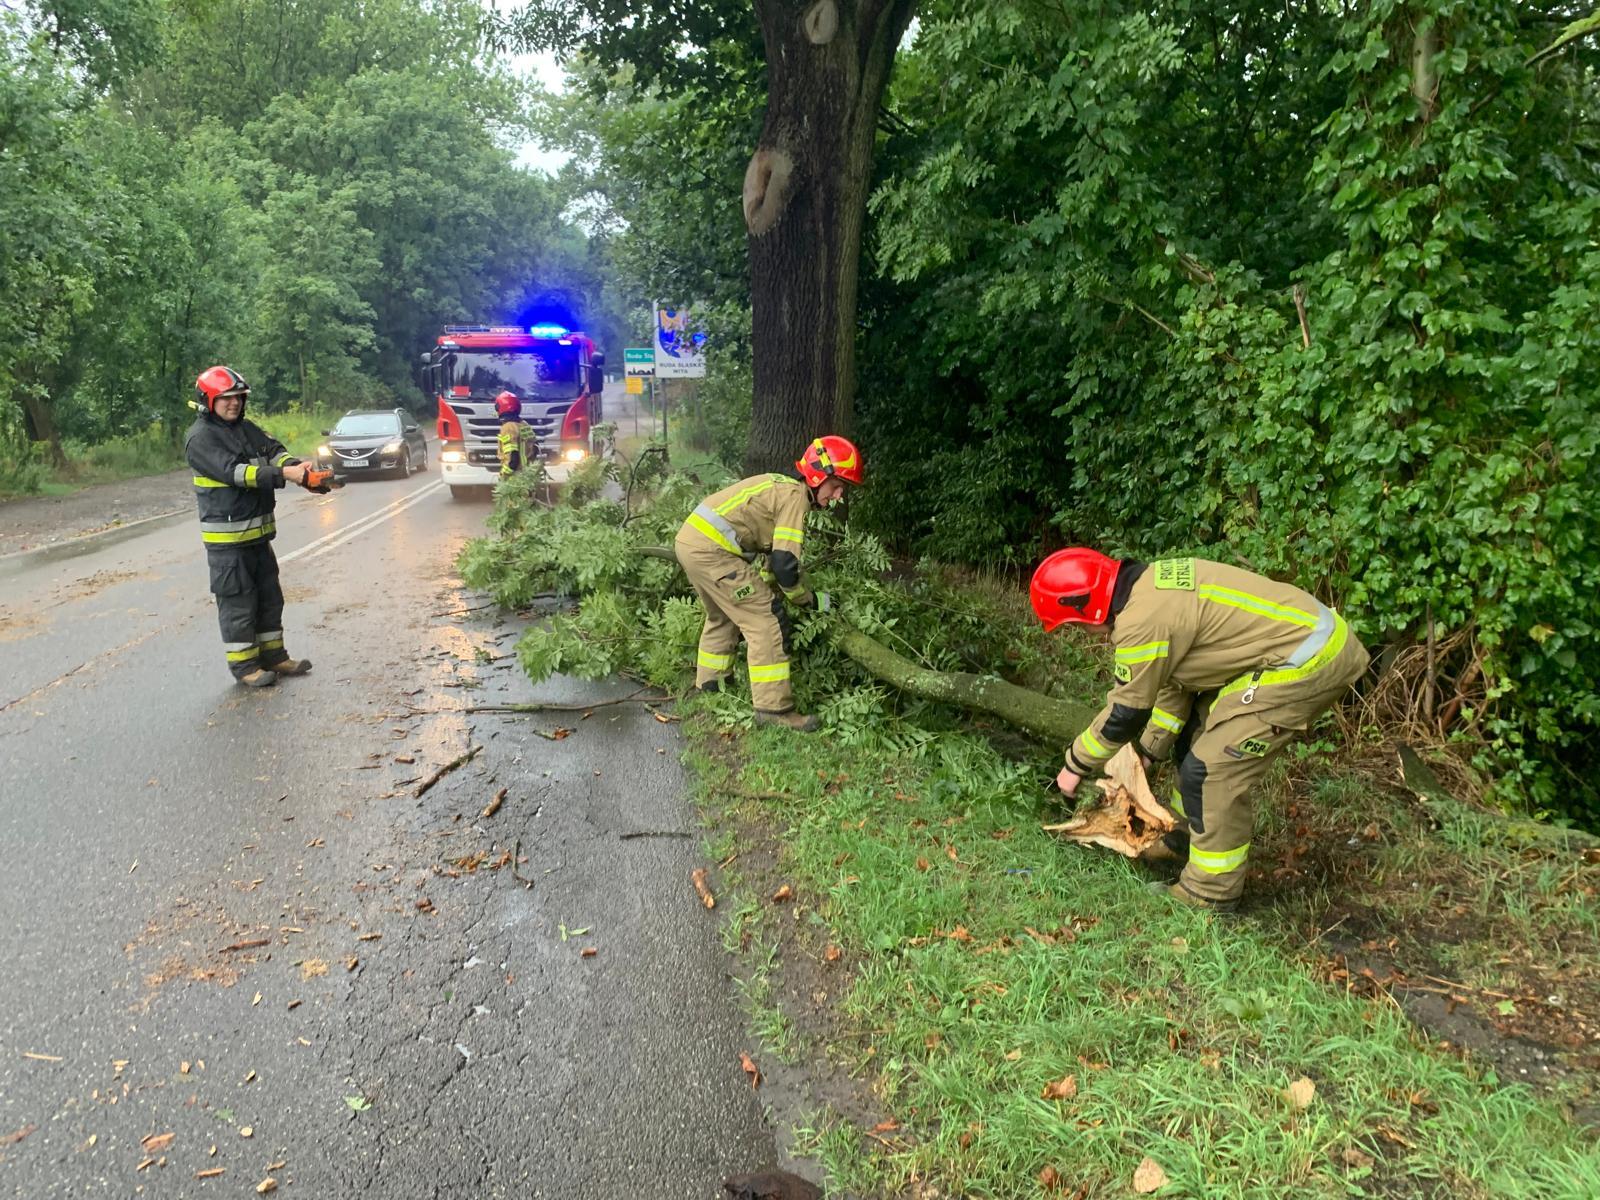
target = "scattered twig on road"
x: 249, y: 945
x: 461, y: 612
x: 516, y: 855
x: 459, y: 761
x: 638, y: 697
x: 654, y: 833
x: 493, y: 806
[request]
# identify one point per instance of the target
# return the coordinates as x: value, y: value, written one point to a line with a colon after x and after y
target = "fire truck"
x: 556, y: 372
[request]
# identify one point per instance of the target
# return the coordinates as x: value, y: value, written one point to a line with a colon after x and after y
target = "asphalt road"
x: 228, y: 918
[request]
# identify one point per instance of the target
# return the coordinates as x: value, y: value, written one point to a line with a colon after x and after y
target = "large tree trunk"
x: 40, y: 424
x: 805, y: 197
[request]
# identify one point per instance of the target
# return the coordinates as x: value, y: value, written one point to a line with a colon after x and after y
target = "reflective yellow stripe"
x: 1218, y: 863
x: 250, y: 475
x: 1255, y: 604
x: 741, y: 498
x: 271, y: 644
x: 241, y: 655
x: 1326, y: 655
x: 1148, y: 652
x: 202, y: 481
x: 242, y: 535
x: 782, y: 533
x: 1093, y: 744
x: 1162, y: 719
x: 1176, y: 803
x: 715, y: 662
x: 771, y: 674
x: 280, y: 460
x: 704, y: 526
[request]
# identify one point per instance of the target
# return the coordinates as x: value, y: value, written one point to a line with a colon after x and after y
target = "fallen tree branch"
x: 459, y: 761
x: 1057, y: 721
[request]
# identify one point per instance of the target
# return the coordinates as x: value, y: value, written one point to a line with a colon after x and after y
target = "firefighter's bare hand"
x: 1068, y: 781
x: 295, y: 473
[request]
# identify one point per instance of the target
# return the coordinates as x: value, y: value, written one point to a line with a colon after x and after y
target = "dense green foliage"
x: 1090, y: 242
x: 304, y: 189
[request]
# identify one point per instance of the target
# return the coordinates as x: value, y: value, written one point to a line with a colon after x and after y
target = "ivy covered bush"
x: 1309, y: 288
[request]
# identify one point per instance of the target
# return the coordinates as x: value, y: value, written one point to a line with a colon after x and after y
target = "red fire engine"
x: 556, y: 372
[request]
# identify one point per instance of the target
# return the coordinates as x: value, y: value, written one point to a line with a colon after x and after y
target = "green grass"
x: 300, y: 430
x: 1182, y: 1031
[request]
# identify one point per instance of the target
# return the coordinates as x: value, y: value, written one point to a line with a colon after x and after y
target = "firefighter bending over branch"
x: 1215, y: 666
x: 238, y: 468
x: 765, y: 514
x: 517, y: 442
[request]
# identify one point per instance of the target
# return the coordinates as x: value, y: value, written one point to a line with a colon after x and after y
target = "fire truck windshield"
x: 547, y: 372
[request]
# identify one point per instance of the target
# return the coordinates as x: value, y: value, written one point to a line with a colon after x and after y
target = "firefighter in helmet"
x: 765, y: 514
x: 517, y: 442
x: 237, y: 470
x: 1215, y: 667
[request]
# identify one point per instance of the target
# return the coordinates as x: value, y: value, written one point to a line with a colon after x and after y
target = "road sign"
x: 634, y: 385
x: 678, y: 345
x: 638, y: 362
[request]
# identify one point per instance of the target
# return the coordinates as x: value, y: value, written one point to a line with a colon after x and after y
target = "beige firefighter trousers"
x: 737, y: 601
x: 1232, y: 738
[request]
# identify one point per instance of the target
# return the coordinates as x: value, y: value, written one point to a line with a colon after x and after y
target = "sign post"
x: 639, y: 364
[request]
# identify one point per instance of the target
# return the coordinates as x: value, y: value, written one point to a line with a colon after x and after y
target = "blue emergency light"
x: 548, y: 329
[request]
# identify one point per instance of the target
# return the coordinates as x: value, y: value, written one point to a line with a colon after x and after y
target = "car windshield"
x: 548, y: 373
x: 366, y: 425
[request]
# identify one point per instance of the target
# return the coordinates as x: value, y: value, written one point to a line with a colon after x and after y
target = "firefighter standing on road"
x: 237, y: 471
x: 765, y: 514
x: 516, y: 442
x: 1218, y: 663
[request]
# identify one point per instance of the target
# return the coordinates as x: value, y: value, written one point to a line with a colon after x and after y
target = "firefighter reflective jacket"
x: 1187, y: 626
x: 516, y: 445
x: 237, y: 471
x: 765, y: 514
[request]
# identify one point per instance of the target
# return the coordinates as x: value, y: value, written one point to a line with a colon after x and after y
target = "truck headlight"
x: 452, y: 456
x: 575, y: 455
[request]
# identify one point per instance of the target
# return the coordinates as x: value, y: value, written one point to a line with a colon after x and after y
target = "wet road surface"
x: 228, y: 918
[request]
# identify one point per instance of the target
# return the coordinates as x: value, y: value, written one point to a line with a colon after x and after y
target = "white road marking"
x: 332, y: 541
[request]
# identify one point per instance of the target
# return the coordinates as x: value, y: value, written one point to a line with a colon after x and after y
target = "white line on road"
x: 332, y: 541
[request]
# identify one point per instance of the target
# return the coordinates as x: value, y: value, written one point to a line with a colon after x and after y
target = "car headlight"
x: 452, y: 456
x: 392, y: 448
x: 324, y: 452
x: 574, y: 455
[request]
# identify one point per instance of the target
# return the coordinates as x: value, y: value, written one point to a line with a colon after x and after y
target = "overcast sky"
x: 547, y: 71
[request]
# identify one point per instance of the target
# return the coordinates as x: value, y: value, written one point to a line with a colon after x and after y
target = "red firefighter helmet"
x: 1073, y: 585
x: 217, y: 382
x: 508, y: 406
x: 831, y: 455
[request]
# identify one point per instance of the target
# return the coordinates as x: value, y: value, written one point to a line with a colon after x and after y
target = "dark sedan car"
x: 372, y: 443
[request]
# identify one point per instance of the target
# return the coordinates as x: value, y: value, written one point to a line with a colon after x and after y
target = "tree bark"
x: 805, y: 197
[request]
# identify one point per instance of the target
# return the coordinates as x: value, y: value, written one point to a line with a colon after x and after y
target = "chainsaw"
x: 321, y: 482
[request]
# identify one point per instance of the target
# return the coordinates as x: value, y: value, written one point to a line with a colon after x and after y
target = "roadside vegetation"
x: 1409, y: 1006
x: 307, y: 191
x: 151, y: 451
